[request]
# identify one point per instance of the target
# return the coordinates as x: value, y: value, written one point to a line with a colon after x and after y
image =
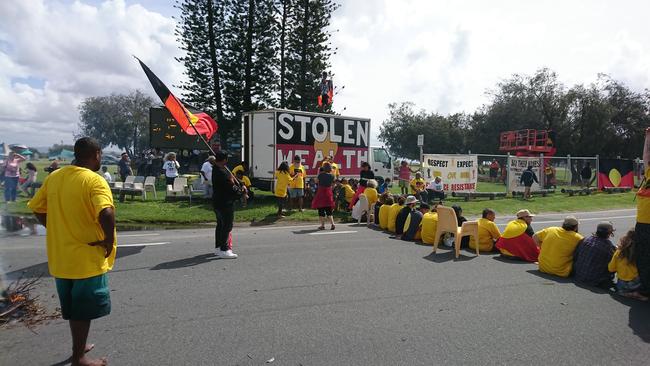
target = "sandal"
x: 321, y: 228
x: 333, y: 227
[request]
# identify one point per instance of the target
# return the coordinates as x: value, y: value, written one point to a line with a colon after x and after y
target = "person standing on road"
x: 76, y: 206
x: 642, y: 227
x: 557, y: 246
x: 324, y: 199
x: 124, y: 167
x: 528, y: 177
x: 225, y: 192
x: 206, y: 174
x: 592, y: 257
x: 11, y: 175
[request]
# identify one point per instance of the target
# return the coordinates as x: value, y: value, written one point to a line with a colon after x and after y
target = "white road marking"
x: 143, y: 244
x: 333, y: 232
x: 134, y: 235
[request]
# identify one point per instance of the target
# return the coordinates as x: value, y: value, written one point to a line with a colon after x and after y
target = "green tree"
x: 117, y: 119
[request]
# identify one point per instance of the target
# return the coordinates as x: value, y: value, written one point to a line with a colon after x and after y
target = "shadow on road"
x: 639, y: 318
x: 439, y: 257
x: 186, y: 262
x: 42, y: 270
x: 549, y: 277
x: 509, y: 260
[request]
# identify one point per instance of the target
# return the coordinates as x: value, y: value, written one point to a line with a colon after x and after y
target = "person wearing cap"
x: 593, y: 255
x: 400, y: 220
x: 488, y: 232
x: 557, y: 246
x: 206, y: 174
x: 430, y: 226
x: 517, y: 239
x: 642, y: 227
x: 225, y: 193
x: 297, y: 185
x: 413, y: 224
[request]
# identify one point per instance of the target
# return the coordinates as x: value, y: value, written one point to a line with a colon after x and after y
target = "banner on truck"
x: 313, y: 138
x: 516, y: 166
x: 458, y: 172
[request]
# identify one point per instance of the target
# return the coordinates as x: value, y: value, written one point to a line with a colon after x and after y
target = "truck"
x: 271, y: 136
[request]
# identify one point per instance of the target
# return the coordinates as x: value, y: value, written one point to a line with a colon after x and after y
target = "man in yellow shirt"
x: 557, y: 245
x: 488, y: 232
x: 418, y: 185
x: 429, y: 226
x: 392, y: 214
x: 384, y: 211
x: 297, y: 185
x: 75, y: 204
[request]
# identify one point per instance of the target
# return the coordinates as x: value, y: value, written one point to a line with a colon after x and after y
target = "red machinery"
x: 528, y: 142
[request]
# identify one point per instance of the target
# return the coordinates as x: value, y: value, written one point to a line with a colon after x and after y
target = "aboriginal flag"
x: 185, y: 116
x: 615, y: 173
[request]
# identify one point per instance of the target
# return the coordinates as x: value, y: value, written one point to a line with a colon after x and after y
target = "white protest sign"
x: 458, y: 172
x: 516, y: 166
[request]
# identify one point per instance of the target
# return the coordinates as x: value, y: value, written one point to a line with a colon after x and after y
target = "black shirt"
x: 222, y: 185
x: 325, y: 179
x: 414, y: 225
x: 401, y: 219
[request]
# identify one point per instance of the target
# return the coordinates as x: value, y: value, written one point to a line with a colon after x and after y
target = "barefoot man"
x: 76, y: 206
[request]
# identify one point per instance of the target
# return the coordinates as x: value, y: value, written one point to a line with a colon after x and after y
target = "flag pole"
x: 237, y: 182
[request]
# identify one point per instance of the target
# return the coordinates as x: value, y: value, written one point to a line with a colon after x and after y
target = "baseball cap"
x: 605, y: 227
x: 524, y: 213
x: 570, y: 220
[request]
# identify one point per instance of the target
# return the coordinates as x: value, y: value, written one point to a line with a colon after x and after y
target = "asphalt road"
x: 349, y: 297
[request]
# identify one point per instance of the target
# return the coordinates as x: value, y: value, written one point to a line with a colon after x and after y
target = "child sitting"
x: 623, y: 263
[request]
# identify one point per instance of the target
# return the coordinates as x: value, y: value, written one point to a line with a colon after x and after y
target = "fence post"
x: 598, y: 171
x: 568, y: 169
x: 508, y: 174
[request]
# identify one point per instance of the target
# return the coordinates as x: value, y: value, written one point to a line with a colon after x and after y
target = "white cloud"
x: 442, y: 55
x: 79, y: 50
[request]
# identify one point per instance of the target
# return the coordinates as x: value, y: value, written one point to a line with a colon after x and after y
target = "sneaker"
x: 228, y: 254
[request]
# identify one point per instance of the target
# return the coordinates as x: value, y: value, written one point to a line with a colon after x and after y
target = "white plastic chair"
x: 150, y: 185
x: 363, y: 208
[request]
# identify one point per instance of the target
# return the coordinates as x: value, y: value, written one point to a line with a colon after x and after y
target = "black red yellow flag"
x: 615, y: 173
x: 185, y: 116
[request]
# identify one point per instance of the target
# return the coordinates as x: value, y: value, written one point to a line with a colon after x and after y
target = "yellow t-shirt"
x: 418, y: 233
x: 384, y: 212
x: 247, y: 182
x: 238, y: 168
x: 643, y: 202
x: 625, y: 270
x: 514, y: 229
x: 73, y: 197
x: 392, y: 216
x: 372, y: 195
x: 420, y: 183
x: 282, y: 183
x: 298, y: 179
x: 488, y: 232
x: 556, y: 254
x: 429, y: 227
x: 349, y: 192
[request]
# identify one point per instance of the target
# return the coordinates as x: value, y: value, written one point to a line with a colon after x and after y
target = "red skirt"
x: 522, y: 246
x: 324, y: 198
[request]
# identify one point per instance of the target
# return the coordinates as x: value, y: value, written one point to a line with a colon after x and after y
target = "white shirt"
x: 435, y: 186
x: 108, y: 177
x: 206, y: 169
x: 171, y: 168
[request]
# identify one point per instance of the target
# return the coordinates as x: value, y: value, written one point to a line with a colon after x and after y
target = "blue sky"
x: 442, y: 55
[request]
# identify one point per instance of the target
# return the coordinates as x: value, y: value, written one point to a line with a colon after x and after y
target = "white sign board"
x: 458, y: 172
x: 516, y: 166
x: 420, y: 140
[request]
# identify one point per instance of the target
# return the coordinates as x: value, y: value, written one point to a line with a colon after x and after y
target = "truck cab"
x: 381, y: 163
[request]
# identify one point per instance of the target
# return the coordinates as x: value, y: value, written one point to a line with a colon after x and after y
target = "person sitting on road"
x: 384, y: 212
x: 371, y: 192
x: 593, y: 255
x: 435, y: 191
x: 409, y: 205
x: 516, y: 240
x: 623, y: 263
x: 394, y: 211
x: 418, y: 185
x: 413, y: 224
x: 488, y: 232
x: 528, y: 177
x: 429, y: 226
x: 557, y: 245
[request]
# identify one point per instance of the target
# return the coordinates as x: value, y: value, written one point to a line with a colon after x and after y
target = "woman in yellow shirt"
x: 429, y: 226
x: 282, y: 180
x: 623, y: 263
x: 395, y: 208
x: 384, y: 212
x: 371, y: 192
